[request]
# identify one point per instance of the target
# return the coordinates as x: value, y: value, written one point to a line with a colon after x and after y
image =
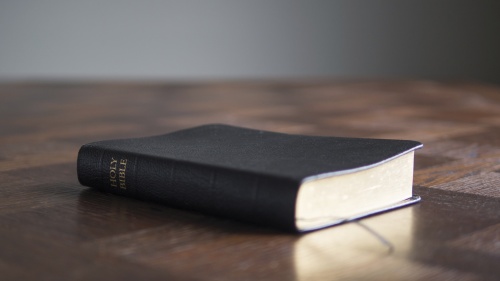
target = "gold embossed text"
x: 118, y: 173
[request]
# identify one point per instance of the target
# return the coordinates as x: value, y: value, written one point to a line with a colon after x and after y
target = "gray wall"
x: 226, y: 39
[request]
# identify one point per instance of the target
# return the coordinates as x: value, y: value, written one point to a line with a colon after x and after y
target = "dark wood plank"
x: 53, y: 228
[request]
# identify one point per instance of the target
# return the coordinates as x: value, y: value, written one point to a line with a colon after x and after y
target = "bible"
x: 294, y: 182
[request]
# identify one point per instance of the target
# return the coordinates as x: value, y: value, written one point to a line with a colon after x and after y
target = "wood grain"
x: 52, y: 228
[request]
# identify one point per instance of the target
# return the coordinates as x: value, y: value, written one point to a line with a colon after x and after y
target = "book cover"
x: 294, y: 182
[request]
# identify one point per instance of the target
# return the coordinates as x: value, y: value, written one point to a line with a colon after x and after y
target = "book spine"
x: 212, y: 190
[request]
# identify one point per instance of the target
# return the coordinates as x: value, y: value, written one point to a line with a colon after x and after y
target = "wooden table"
x: 52, y: 228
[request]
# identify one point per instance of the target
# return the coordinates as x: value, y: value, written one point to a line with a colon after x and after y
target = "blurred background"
x: 257, y: 39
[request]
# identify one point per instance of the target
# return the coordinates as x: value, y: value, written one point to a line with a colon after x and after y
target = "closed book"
x: 293, y: 182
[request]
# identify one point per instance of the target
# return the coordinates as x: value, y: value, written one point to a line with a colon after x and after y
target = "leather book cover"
x: 228, y: 171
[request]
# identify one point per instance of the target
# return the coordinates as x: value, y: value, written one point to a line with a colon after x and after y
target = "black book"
x: 294, y: 182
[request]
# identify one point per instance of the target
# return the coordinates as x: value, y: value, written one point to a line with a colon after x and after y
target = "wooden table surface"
x: 52, y: 228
